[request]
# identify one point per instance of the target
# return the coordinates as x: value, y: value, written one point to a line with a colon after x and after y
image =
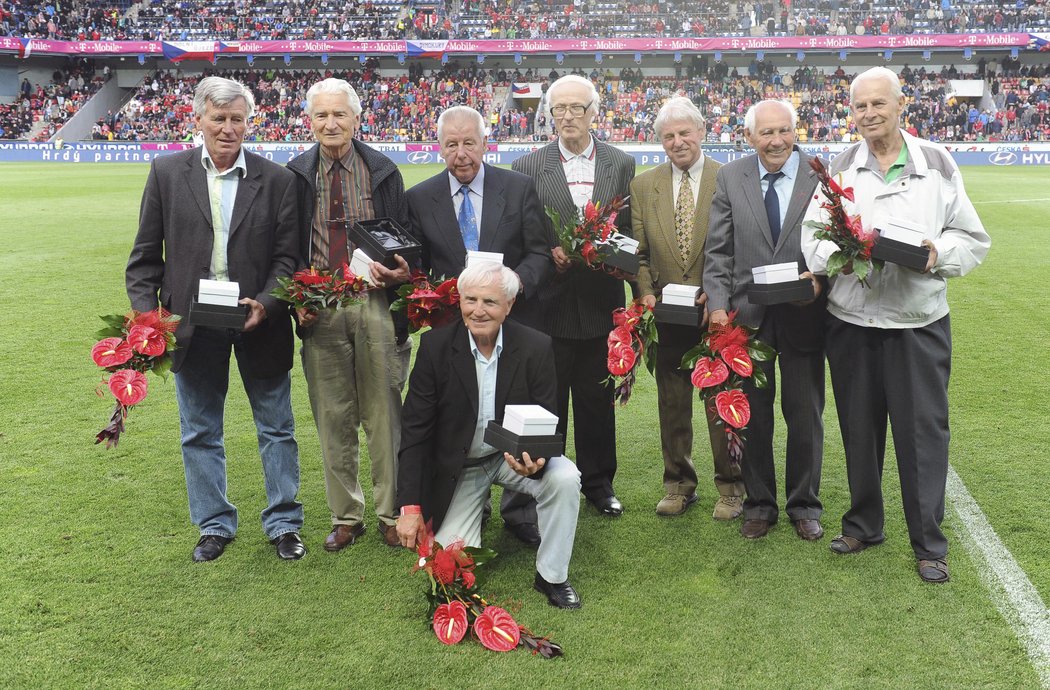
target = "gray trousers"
x: 899, y: 374
x: 557, y: 498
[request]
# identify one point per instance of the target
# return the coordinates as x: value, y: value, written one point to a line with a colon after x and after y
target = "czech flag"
x: 25, y: 47
x: 1040, y: 42
x: 425, y: 49
x: 522, y: 89
x: 177, y: 51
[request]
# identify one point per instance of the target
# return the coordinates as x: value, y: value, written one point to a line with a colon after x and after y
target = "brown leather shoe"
x: 810, y: 530
x: 755, y: 529
x: 389, y: 534
x: 343, y: 536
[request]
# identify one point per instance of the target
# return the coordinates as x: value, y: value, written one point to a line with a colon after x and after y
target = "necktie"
x: 773, y: 206
x: 684, y: 210
x: 338, y: 251
x: 468, y: 224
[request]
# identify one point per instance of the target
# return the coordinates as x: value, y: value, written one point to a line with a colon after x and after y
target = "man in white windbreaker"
x: 889, y: 343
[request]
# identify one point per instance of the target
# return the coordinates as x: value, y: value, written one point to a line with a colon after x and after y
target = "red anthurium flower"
x: 111, y: 352
x: 621, y: 359
x: 589, y: 252
x: 424, y: 297
x: 444, y: 566
x: 620, y: 334
x: 835, y: 187
x: 468, y: 578
x: 590, y: 211
x: 733, y: 408
x: 497, y: 630
x: 738, y: 360
x: 128, y: 386
x: 448, y: 292
x: 709, y: 372
x: 148, y: 341
x: 310, y: 277
x: 450, y: 622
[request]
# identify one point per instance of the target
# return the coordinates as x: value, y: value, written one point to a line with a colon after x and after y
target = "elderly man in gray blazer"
x: 578, y: 303
x: 755, y: 220
x: 222, y: 213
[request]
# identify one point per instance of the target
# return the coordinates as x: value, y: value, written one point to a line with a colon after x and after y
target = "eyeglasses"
x: 576, y: 109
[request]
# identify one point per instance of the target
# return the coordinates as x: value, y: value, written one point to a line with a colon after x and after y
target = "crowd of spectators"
x: 405, y: 108
x: 51, y: 104
x: 508, y: 19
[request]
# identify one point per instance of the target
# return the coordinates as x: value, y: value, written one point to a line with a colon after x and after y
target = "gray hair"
x: 220, y: 92
x: 678, y: 108
x: 574, y: 79
x: 752, y: 113
x: 485, y: 273
x: 883, y: 73
x: 333, y: 86
x: 462, y: 112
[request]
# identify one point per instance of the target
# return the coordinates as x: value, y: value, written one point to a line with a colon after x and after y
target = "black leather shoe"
x: 607, y: 505
x: 561, y: 595
x: 289, y: 546
x: 525, y: 532
x: 210, y: 547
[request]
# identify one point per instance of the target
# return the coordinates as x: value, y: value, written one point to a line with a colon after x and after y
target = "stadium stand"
x: 40, y: 109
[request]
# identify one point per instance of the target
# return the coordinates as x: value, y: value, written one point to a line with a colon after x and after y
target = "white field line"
x: 1011, y: 201
x: 1011, y: 590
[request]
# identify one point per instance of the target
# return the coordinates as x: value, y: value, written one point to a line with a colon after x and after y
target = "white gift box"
x: 218, y: 292
x: 680, y: 295
x: 622, y: 242
x: 359, y: 264
x: 775, y: 273
x: 903, y: 231
x: 529, y: 420
x: 477, y: 257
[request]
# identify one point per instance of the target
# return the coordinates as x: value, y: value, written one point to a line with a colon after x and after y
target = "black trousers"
x: 899, y: 374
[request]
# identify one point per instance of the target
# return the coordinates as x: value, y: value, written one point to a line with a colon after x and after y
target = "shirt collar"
x: 477, y: 185
x: 347, y: 160
x: 209, y: 164
x: 790, y: 168
x: 694, y: 170
x: 496, y: 351
x: 567, y: 155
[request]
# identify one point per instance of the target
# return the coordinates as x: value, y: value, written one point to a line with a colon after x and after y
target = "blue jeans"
x: 201, y: 386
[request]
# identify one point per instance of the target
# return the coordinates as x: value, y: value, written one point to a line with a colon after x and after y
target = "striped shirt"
x: 579, y: 172
x: 357, y: 200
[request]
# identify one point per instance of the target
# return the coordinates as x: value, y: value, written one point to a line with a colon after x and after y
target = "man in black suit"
x: 502, y: 214
x: 755, y: 220
x: 579, y: 302
x: 222, y: 213
x: 445, y: 467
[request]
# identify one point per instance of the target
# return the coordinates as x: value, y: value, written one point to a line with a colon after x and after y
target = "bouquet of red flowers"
x: 425, y: 304
x: 632, y: 340
x: 720, y: 363
x: 130, y: 346
x: 583, y: 239
x: 846, y: 231
x: 456, y: 605
x: 318, y: 290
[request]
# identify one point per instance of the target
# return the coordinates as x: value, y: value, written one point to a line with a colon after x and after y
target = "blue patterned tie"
x: 468, y: 225
x: 773, y: 206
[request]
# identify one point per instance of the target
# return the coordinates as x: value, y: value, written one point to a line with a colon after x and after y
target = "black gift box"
x: 779, y: 293
x: 678, y: 314
x: 900, y: 253
x: 217, y: 315
x: 617, y: 258
x: 536, y: 446
x: 381, y: 238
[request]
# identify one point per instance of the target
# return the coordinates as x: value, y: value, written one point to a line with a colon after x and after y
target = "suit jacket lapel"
x: 805, y: 181
x: 463, y: 366
x: 663, y: 201
x: 247, y: 188
x: 753, y: 192
x: 708, y: 182
x: 197, y: 183
x: 604, y: 185
x: 491, y: 210
x: 445, y: 216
